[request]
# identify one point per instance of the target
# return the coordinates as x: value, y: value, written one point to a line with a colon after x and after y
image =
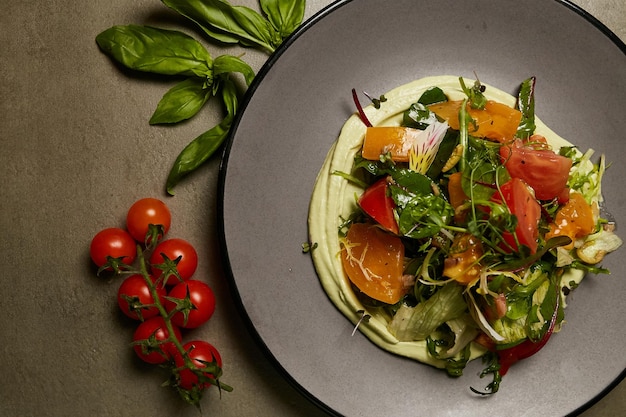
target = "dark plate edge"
x: 595, y: 22
x: 622, y: 47
x: 223, y: 168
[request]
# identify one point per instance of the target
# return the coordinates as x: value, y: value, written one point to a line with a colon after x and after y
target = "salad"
x: 449, y: 223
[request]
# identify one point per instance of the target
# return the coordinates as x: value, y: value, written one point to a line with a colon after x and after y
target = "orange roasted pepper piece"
x: 395, y: 140
x: 496, y: 121
x: 373, y: 260
x: 575, y: 219
x: 463, y: 263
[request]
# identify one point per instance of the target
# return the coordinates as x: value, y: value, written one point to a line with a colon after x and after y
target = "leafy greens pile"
x: 173, y: 53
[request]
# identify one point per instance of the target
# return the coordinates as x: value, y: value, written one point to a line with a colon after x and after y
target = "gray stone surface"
x: 71, y: 164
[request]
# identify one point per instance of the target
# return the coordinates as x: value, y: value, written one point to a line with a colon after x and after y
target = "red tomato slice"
x: 377, y: 204
x: 545, y: 171
x: 523, y: 205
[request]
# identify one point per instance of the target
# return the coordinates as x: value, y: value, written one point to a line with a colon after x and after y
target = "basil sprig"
x: 173, y: 53
x: 240, y: 24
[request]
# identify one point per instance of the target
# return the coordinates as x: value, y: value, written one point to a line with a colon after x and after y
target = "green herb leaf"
x: 526, y: 105
x: 423, y: 215
x: 418, y: 116
x: 155, y: 50
x: 228, y: 24
x: 417, y: 323
x: 227, y: 63
x: 284, y: 15
x: 182, y: 102
x: 205, y: 145
x: 411, y: 180
x: 432, y: 95
x: 446, y: 148
x: 475, y: 96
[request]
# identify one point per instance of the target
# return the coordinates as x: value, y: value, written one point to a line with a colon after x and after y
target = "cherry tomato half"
x: 523, y: 205
x: 377, y: 204
x: 134, y: 294
x: 149, y: 341
x: 145, y: 212
x: 172, y: 249
x: 203, y: 354
x: 202, y: 302
x: 115, y: 243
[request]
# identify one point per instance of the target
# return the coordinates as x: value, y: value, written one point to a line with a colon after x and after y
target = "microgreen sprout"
x: 308, y: 247
x: 376, y: 101
x: 364, y: 319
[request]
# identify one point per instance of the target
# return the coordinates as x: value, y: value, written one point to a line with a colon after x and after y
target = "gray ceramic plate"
x: 294, y: 112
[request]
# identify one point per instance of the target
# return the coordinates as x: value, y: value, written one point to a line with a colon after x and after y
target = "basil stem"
x: 202, y: 147
x: 159, y: 51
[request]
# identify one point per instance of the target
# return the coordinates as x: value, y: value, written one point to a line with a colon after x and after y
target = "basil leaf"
x: 526, y: 105
x: 182, y: 102
x: 155, y: 50
x: 422, y: 215
x: 411, y: 180
x: 432, y: 95
x: 205, y: 145
x: 284, y: 15
x: 227, y: 63
x: 228, y: 24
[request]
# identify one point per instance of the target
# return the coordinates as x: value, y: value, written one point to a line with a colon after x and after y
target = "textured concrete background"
x: 72, y: 163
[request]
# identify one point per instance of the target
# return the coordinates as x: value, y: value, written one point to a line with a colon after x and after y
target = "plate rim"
x: 221, y: 190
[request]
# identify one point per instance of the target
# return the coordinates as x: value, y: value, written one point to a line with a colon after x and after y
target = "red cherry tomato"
x: 172, y: 249
x: 377, y: 204
x: 545, y: 171
x: 203, y: 355
x: 145, y: 212
x: 523, y: 205
x: 148, y: 341
x: 134, y: 294
x: 115, y: 243
x: 202, y: 302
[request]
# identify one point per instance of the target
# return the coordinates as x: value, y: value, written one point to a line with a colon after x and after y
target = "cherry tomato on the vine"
x: 148, y: 341
x: 203, y: 355
x: 145, y: 212
x: 134, y: 295
x: 200, y: 305
x: 172, y: 249
x: 115, y: 243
